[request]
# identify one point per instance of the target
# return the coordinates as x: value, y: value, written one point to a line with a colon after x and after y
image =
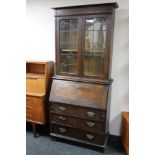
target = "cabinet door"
x: 68, y: 45
x: 95, y: 46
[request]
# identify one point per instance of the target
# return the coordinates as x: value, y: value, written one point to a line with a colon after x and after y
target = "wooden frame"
x: 105, y: 10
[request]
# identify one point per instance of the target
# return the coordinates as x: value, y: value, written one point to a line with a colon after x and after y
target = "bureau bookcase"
x: 80, y: 92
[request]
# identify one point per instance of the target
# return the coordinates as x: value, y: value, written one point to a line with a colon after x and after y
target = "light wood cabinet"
x: 38, y: 74
x: 125, y: 131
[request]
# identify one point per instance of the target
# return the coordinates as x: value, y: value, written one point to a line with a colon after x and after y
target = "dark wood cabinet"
x: 79, y: 98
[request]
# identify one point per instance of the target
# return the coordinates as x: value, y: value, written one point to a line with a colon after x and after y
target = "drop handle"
x: 29, y: 115
x: 62, y: 108
x: 62, y: 118
x: 90, y: 124
x: 62, y: 130
x: 90, y: 114
x: 90, y: 137
x: 28, y: 107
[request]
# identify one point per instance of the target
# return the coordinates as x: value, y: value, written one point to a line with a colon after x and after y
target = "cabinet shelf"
x: 34, y: 75
x: 69, y: 31
x: 68, y: 54
x: 68, y: 50
x: 95, y: 30
x: 66, y: 65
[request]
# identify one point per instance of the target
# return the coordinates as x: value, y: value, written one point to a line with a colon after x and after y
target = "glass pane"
x: 88, y: 40
x: 98, y: 47
x: 68, y: 45
x: 98, y: 37
x: 89, y: 24
x: 74, y: 25
x: 64, y: 25
x: 95, y: 45
x: 99, y: 24
x: 94, y: 63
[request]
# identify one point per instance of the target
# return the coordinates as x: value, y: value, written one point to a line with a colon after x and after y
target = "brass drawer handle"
x: 90, y: 114
x: 28, y: 107
x: 28, y: 98
x: 90, y: 124
x: 62, y: 118
x: 62, y: 108
x: 90, y: 137
x: 62, y: 130
x: 29, y: 115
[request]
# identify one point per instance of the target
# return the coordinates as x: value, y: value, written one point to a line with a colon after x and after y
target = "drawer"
x: 35, y: 109
x: 78, y: 111
x: 85, y: 124
x: 78, y: 134
x: 28, y: 101
x: 36, y: 84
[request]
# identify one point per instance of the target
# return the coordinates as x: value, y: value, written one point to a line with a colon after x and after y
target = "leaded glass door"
x: 69, y: 46
x: 95, y: 46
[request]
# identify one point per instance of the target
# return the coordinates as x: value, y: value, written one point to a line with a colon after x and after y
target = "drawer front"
x: 77, y: 111
x: 79, y: 123
x: 35, y: 109
x: 78, y: 134
x: 28, y: 110
x: 28, y: 101
x: 37, y: 85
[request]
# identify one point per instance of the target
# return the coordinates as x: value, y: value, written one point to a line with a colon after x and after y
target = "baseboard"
x: 114, y: 138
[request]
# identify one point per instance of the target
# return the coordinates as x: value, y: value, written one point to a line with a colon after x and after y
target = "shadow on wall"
x: 117, y: 119
x: 120, y: 71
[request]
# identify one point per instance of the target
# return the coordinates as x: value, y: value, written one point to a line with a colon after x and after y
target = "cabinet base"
x: 81, y: 141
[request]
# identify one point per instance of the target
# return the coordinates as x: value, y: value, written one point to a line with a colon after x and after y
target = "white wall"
x: 41, y: 45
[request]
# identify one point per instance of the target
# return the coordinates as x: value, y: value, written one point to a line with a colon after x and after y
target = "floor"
x: 45, y: 145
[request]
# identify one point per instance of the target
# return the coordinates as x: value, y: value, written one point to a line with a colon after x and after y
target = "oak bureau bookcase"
x: 80, y: 92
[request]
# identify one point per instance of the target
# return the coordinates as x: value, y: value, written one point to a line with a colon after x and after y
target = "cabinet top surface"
x: 115, y: 5
x: 35, y: 94
x: 38, y: 61
x: 126, y: 115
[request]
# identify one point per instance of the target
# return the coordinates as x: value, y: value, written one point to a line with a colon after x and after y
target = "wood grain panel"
x: 80, y: 112
x: 89, y: 95
x: 85, y: 124
x: 78, y: 134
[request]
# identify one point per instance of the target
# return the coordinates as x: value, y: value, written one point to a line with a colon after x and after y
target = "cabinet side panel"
x: 108, y: 110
